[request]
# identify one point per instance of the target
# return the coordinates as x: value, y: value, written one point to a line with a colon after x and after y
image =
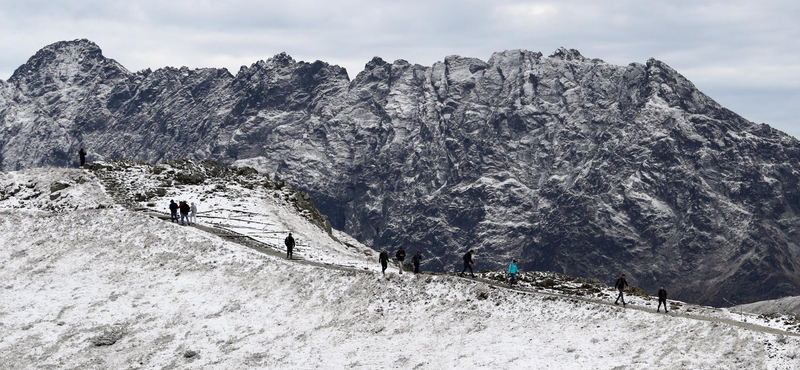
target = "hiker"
x: 184, y: 208
x: 416, y: 259
x: 384, y: 260
x: 621, y: 285
x: 662, y: 298
x: 468, y: 264
x: 193, y: 214
x: 173, y: 208
x: 82, y: 154
x: 400, y: 255
x: 512, y: 270
x: 289, y: 241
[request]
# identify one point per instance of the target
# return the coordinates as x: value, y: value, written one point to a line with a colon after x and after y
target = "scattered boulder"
x: 109, y: 337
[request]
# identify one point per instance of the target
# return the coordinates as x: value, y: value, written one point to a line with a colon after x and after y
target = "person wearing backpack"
x: 384, y: 260
x: 468, y: 263
x: 184, y: 208
x: 512, y: 270
x: 400, y: 255
x: 289, y: 241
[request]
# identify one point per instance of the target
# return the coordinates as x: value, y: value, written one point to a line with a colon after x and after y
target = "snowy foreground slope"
x: 87, y: 284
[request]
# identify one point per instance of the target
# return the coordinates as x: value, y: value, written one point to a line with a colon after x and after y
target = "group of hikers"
x: 188, y: 212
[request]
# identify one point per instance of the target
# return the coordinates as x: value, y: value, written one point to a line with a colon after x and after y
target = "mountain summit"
x: 567, y: 163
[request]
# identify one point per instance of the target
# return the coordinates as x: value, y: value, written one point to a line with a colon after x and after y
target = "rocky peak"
x: 568, y: 55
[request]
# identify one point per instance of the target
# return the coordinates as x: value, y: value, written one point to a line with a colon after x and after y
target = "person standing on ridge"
x: 416, y: 259
x: 662, y: 298
x: 512, y: 270
x: 82, y: 155
x: 184, y: 208
x: 193, y: 214
x: 384, y: 260
x: 621, y: 285
x: 289, y: 241
x: 400, y: 255
x: 173, y: 208
x: 468, y: 263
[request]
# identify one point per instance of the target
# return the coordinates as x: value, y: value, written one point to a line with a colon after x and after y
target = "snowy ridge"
x: 97, y: 288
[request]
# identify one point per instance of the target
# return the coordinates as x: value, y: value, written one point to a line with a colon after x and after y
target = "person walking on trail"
x: 384, y: 260
x: 184, y: 208
x: 662, y: 298
x: 289, y: 241
x: 173, y: 209
x: 468, y: 263
x: 621, y: 285
x: 82, y: 155
x: 416, y: 259
x: 193, y: 214
x: 400, y: 255
x: 512, y: 270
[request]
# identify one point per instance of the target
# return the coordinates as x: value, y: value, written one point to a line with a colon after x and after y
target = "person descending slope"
x: 512, y: 270
x: 289, y: 241
x: 400, y: 255
x: 384, y: 260
x: 662, y: 298
x: 416, y: 259
x: 468, y: 264
x: 193, y: 214
x: 185, y: 212
x: 173, y: 208
x: 621, y: 285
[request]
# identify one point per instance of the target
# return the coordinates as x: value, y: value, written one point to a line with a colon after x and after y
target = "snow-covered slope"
x: 782, y: 305
x: 88, y: 284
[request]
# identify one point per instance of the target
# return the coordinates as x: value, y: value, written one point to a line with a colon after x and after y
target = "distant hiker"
x: 184, y: 208
x: 289, y: 241
x: 512, y: 270
x: 468, y: 264
x: 173, y: 208
x: 384, y: 260
x: 400, y: 255
x: 82, y: 154
x: 621, y: 285
x: 662, y: 298
x: 416, y: 259
x: 193, y: 214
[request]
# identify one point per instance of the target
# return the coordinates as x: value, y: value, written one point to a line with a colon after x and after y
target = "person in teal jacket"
x: 512, y: 270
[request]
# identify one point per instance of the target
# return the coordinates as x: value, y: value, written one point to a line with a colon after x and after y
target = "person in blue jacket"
x: 512, y: 270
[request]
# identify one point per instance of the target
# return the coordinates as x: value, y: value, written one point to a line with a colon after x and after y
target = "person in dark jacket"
x: 621, y: 285
x: 416, y: 259
x: 400, y: 255
x: 468, y: 264
x: 184, y: 208
x: 384, y: 260
x: 173, y: 208
x: 662, y: 298
x: 289, y: 241
x: 82, y: 154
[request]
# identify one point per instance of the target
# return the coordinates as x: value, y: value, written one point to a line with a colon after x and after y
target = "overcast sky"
x: 744, y: 54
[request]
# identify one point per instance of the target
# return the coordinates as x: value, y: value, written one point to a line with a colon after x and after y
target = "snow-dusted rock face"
x: 564, y: 162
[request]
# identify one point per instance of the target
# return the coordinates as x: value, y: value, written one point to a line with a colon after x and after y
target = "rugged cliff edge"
x: 567, y: 163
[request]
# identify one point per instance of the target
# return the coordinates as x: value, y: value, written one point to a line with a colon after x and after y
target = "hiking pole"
x: 741, y: 310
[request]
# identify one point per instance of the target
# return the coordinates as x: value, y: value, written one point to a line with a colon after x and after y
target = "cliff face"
x: 566, y: 163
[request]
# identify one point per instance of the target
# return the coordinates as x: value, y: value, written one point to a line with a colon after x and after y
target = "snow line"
x: 267, y: 249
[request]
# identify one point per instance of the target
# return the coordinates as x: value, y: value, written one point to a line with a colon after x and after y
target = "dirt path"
x: 276, y: 251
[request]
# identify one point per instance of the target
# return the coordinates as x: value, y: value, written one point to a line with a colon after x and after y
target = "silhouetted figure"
x: 384, y: 260
x: 662, y: 298
x: 621, y: 285
x: 416, y: 259
x: 289, y: 241
x: 468, y: 264
x: 82, y: 154
x: 400, y: 255
x: 173, y: 209
x: 184, y: 208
